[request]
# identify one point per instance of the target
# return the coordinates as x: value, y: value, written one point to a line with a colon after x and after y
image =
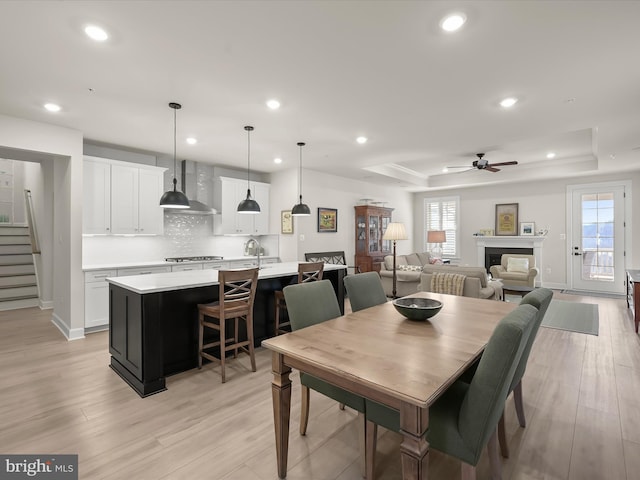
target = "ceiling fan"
x: 482, y: 164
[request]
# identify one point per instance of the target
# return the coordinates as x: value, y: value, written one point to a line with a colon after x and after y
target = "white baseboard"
x: 46, y: 304
x: 70, y: 334
x: 555, y: 286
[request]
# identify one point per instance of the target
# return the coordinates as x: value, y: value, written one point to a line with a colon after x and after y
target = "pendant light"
x: 174, y: 198
x: 248, y: 205
x: 300, y: 209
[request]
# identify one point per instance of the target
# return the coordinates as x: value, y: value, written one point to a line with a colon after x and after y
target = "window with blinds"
x: 442, y: 214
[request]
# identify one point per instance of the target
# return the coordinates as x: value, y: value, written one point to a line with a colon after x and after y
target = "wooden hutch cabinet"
x: 371, y: 222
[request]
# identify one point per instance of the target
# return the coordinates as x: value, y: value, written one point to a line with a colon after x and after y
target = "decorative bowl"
x: 415, y: 308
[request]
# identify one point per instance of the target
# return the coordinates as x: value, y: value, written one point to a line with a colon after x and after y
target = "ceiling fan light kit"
x: 482, y: 164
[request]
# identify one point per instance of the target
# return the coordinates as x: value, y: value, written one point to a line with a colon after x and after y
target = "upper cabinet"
x: 230, y: 192
x: 122, y: 198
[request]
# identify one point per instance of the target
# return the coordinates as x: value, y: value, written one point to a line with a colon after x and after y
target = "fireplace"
x: 493, y: 255
x: 497, y: 245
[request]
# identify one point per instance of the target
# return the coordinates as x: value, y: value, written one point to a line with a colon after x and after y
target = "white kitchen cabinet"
x: 217, y: 265
x: 186, y: 267
x: 96, y: 184
x: 122, y: 198
x: 232, y: 192
x: 96, y: 299
x: 124, y: 272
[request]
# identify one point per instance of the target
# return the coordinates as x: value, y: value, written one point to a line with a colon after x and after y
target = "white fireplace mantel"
x: 521, y: 241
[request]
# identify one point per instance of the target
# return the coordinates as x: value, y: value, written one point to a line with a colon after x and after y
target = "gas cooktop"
x: 204, y: 258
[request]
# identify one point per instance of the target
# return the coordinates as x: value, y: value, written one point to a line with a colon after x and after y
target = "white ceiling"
x: 384, y: 69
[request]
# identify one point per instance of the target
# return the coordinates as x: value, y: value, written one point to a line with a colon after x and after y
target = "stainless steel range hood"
x: 190, y: 188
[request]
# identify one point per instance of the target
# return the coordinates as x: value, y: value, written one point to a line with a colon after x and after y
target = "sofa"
x: 476, y: 283
x: 408, y: 270
x: 516, y: 269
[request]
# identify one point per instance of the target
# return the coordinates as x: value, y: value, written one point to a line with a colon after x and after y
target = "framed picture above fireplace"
x: 507, y: 219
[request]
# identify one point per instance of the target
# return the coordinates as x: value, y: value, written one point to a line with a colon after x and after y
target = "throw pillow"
x: 410, y: 268
x: 517, y: 264
x: 435, y: 261
x: 388, y: 262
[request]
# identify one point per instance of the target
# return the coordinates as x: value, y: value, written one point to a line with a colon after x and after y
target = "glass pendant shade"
x: 300, y: 209
x: 174, y: 198
x: 248, y: 205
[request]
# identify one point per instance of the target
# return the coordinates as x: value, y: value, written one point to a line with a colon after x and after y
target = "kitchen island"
x: 153, y: 319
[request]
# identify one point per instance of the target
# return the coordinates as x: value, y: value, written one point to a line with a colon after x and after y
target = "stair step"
x: 17, y: 269
x: 15, y: 304
x: 16, y: 259
x: 12, y: 293
x: 17, y: 230
x: 13, y: 249
x: 15, y: 240
x: 17, y: 281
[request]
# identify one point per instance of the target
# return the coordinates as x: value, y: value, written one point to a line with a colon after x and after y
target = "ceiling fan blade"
x: 459, y: 166
x: 503, y: 163
x: 491, y: 169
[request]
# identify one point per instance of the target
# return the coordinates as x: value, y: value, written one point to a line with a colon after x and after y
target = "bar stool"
x: 307, y: 272
x: 237, y: 292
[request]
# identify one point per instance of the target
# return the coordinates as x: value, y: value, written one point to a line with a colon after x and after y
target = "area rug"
x: 572, y: 316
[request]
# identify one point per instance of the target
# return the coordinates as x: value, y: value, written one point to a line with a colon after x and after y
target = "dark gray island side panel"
x: 154, y: 335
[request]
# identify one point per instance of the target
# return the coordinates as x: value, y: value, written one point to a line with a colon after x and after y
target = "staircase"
x: 18, y: 284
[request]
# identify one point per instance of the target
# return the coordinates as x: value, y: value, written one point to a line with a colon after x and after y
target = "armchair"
x: 515, y: 269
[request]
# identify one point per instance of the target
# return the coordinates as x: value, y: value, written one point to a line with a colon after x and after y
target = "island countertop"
x: 165, y: 282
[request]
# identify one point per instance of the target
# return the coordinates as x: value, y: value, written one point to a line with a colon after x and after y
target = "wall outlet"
x: 548, y: 270
x: 302, y: 237
x: 563, y: 236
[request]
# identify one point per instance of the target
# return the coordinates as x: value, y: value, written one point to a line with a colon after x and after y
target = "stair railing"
x: 31, y: 221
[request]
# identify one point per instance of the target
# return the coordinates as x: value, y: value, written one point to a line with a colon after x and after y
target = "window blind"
x: 442, y: 214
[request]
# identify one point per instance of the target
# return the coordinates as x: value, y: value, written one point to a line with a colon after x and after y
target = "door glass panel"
x: 597, y: 237
x: 374, y: 233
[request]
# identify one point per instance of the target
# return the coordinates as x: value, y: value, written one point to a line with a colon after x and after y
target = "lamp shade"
x: 436, y: 236
x: 395, y: 231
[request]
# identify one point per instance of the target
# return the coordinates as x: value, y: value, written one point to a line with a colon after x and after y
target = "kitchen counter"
x: 161, y: 263
x: 163, y: 282
x: 153, y: 319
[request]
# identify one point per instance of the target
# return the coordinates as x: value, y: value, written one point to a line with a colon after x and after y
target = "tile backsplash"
x: 185, y: 235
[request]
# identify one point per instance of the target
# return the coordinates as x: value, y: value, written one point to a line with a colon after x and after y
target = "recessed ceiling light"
x: 273, y: 104
x: 508, y: 102
x: 361, y: 140
x: 453, y: 22
x: 445, y: 170
x: 192, y: 140
x: 551, y: 155
x: 277, y: 160
x: 96, y: 33
x: 52, y: 107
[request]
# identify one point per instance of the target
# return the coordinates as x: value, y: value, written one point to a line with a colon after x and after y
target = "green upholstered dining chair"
x: 364, y: 290
x: 464, y: 419
x: 540, y: 298
x: 309, y: 304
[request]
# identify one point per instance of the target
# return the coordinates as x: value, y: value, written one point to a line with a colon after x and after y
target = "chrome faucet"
x: 257, y: 246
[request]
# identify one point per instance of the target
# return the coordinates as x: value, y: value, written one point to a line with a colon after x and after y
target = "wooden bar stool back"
x: 307, y: 272
x: 237, y: 292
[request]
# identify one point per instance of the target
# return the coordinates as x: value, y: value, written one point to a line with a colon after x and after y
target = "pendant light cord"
x: 300, y: 144
x: 248, y: 156
x: 175, y: 136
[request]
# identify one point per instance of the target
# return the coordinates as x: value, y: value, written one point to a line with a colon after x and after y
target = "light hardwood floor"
x: 581, y: 394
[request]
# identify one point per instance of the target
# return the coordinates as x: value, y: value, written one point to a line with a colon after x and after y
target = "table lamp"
x: 436, y: 237
x: 395, y: 231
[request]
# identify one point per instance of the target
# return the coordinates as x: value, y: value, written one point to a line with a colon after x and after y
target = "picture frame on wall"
x: 527, y: 228
x: 286, y: 222
x: 327, y: 220
x: 507, y: 219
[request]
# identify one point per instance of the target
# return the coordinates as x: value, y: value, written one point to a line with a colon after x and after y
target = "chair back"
x: 364, y: 290
x: 311, y: 303
x: 237, y: 289
x: 484, y: 401
x: 335, y: 258
x: 539, y: 298
x: 310, y: 272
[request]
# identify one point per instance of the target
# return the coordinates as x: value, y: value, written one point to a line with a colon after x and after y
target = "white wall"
x: 27, y: 140
x: 331, y: 191
x: 542, y: 202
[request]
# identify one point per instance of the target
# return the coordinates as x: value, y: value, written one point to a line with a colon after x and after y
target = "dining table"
x: 379, y: 354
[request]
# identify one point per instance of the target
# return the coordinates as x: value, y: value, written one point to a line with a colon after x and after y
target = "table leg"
x: 281, y: 394
x: 414, y: 449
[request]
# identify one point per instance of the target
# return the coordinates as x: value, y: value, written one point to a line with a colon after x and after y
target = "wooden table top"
x: 380, y: 354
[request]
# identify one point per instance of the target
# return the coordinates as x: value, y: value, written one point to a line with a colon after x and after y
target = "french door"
x: 597, y: 243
